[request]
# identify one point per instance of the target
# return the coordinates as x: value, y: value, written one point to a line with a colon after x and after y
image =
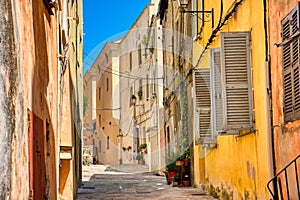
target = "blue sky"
x: 106, y: 21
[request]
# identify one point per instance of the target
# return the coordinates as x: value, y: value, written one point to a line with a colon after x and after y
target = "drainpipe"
x: 270, y: 139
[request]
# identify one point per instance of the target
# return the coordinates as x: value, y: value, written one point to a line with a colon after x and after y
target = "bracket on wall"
x: 209, y: 13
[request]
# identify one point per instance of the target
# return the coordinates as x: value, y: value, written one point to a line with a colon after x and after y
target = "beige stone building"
x: 141, y: 91
x: 89, y: 123
x: 40, y: 99
x: 107, y: 104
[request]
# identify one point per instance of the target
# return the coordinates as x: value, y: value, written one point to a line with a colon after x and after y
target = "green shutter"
x: 237, y: 81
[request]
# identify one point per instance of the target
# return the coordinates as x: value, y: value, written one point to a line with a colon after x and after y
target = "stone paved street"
x: 130, y: 182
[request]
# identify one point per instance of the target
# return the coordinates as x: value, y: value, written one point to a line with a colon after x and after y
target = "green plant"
x: 176, y: 178
x: 85, y: 104
x: 142, y: 148
x: 172, y: 167
x: 140, y: 93
x: 140, y: 156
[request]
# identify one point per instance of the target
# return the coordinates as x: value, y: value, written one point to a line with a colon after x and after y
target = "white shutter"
x: 237, y: 81
x: 203, y: 105
x: 195, y: 20
x: 216, y: 92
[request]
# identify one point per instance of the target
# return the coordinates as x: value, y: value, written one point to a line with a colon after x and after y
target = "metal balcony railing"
x: 290, y: 179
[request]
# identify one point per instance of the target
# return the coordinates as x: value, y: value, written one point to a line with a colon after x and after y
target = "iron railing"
x: 282, y: 175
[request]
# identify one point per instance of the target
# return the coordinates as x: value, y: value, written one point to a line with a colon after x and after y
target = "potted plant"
x: 175, y: 180
x: 140, y: 159
x: 172, y: 169
x: 187, y: 157
x: 186, y: 180
x: 142, y: 148
x: 140, y: 94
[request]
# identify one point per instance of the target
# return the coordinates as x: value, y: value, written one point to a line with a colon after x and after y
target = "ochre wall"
x: 238, y: 165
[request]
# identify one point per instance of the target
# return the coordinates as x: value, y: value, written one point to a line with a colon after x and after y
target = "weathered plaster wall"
x: 287, y: 135
x: 8, y: 90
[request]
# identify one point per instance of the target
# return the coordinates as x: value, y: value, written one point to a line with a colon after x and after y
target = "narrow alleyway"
x: 130, y: 182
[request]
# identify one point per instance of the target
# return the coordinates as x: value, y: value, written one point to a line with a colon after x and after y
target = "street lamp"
x: 133, y: 100
x: 184, y: 4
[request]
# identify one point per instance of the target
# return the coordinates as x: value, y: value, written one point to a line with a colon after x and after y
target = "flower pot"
x: 141, y: 162
x: 170, y: 176
x: 186, y: 162
x: 186, y: 183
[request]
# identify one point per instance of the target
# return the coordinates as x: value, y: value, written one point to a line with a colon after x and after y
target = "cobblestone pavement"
x: 130, y: 182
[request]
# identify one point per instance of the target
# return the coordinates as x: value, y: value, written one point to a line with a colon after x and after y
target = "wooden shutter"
x: 237, y: 81
x: 203, y: 105
x: 216, y: 92
x: 290, y: 61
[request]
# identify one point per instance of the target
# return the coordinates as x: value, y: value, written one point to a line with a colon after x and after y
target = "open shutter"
x: 290, y: 57
x: 237, y: 81
x: 295, y: 25
x: 287, y: 71
x: 203, y: 105
x: 216, y: 92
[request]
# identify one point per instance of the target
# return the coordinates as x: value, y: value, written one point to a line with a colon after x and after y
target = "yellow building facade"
x: 232, y: 158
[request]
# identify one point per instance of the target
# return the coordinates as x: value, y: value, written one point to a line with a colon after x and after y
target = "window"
x: 140, y: 54
x: 130, y: 61
x: 99, y: 95
x: 107, y: 142
x: 223, y: 93
x: 290, y: 60
x: 100, y: 146
x: 237, y: 81
x: 99, y: 120
x: 147, y: 86
x: 107, y: 84
x: 130, y: 95
x: 140, y: 92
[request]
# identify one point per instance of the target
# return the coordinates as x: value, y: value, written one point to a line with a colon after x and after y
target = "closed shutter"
x: 216, y: 92
x: 203, y: 105
x: 287, y: 72
x: 290, y: 56
x: 237, y: 81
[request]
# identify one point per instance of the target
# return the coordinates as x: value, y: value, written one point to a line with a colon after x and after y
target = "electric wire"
x: 118, y: 73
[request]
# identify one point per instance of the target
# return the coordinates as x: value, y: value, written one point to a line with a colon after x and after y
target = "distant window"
x: 140, y: 54
x: 99, y: 95
x: 147, y: 86
x: 99, y: 120
x: 290, y: 61
x: 100, y: 146
x: 107, y: 142
x: 107, y: 84
x: 130, y: 61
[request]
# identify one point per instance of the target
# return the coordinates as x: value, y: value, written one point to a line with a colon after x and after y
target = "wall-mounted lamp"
x: 184, y: 3
x: 133, y: 100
